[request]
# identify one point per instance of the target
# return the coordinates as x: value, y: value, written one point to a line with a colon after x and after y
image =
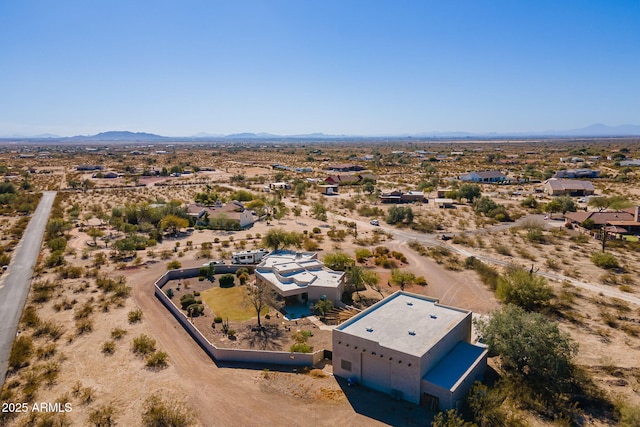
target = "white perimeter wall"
x: 226, y: 354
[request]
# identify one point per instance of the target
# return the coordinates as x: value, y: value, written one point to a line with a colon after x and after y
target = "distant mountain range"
x: 595, y: 130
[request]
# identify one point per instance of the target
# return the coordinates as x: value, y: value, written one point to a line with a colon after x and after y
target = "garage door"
x: 376, y: 372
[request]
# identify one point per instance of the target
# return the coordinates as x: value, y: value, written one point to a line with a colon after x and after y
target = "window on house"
x: 345, y: 364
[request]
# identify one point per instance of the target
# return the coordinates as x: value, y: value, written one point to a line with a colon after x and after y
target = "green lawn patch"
x: 229, y: 303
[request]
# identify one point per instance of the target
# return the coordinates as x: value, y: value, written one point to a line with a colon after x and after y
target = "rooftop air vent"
x: 369, y: 329
x: 433, y: 316
x: 409, y: 303
x: 412, y: 332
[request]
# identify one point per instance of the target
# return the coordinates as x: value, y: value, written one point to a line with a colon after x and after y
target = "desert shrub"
x: 57, y: 244
x: 55, y: 259
x: 143, y: 345
x: 103, y: 416
x: 580, y: 238
x: 242, y: 270
x: 47, y: 351
x: 157, y: 360
x: 604, y: 260
x: 118, y: 333
x: 195, y: 310
x: 524, y: 289
x: 362, y: 254
x: 71, y: 272
x: 84, y: 326
x: 53, y: 330
x: 20, y: 352
x: 50, y: 372
x: 310, y: 245
x: 502, y: 250
x: 226, y: 280
x: 29, y: 317
x: 217, y: 319
x: 84, y: 311
x: 174, y: 265
x: 157, y: 413
x: 109, y: 347
x: 135, y: 316
x: 536, y: 236
x: 301, y: 347
x: 388, y: 263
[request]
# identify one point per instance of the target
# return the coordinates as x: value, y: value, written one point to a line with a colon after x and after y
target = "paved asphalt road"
x: 16, y: 281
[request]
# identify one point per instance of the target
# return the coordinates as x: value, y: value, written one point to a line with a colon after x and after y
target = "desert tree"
x: 402, y: 278
x: 172, y: 224
x: 259, y: 296
x: 524, y: 289
x: 338, y: 261
x: 279, y: 238
x: 531, y: 348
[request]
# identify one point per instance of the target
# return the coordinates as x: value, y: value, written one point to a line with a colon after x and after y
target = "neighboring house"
x: 221, y: 217
x: 568, y: 187
x: 299, y: 277
x: 402, y: 197
x: 110, y: 175
x: 577, y: 173
x: 346, y: 167
x: 622, y: 222
x: 350, y: 179
x: 413, y: 348
x: 329, y: 189
x: 88, y: 168
x: 599, y: 218
x: 630, y: 163
x: 484, y: 176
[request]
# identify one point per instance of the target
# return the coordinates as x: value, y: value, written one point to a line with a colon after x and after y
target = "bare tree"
x: 259, y: 296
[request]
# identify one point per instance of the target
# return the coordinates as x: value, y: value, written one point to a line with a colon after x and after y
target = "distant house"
x: 110, y: 175
x: 402, y: 197
x: 568, y: 187
x: 577, y: 173
x: 349, y: 179
x: 89, y: 168
x: 345, y: 167
x: 630, y: 163
x: 328, y: 189
x: 231, y: 216
x: 484, y: 176
x: 624, y: 221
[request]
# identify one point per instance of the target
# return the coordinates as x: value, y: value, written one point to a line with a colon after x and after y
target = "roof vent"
x: 409, y: 303
x: 412, y: 332
x: 433, y: 316
x: 369, y: 329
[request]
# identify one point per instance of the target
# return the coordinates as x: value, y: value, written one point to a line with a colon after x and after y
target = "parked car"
x: 214, y: 262
x: 374, y: 222
x: 445, y: 237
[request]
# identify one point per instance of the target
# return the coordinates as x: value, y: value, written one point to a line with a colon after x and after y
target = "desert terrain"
x: 87, y: 308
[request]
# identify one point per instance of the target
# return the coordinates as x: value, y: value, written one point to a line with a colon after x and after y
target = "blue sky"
x: 366, y: 67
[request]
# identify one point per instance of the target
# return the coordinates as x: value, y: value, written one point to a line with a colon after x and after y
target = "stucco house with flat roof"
x: 412, y: 348
x: 300, y: 276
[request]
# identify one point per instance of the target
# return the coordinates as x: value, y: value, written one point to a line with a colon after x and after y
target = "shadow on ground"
x: 268, y: 337
x: 384, y: 408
